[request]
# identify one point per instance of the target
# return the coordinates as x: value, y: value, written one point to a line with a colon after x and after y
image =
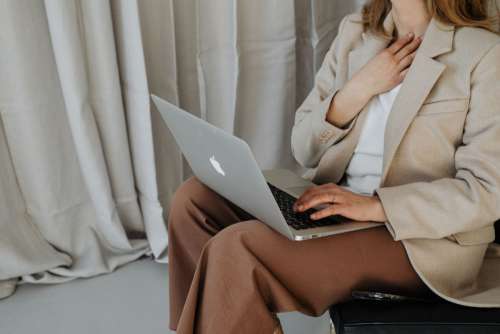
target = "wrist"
x: 378, y: 210
x: 344, y: 107
x: 359, y: 90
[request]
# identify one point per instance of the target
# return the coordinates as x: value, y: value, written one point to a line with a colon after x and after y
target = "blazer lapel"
x: 423, y: 74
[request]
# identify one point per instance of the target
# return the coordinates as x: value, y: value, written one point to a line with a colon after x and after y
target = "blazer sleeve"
x: 312, y: 135
x: 470, y: 200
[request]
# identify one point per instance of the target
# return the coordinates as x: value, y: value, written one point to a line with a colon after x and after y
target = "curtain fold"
x: 135, y: 91
x: 87, y: 166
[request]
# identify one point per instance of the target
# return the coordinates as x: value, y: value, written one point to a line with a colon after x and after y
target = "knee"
x: 238, y: 241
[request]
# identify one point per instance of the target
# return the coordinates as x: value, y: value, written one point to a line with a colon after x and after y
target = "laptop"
x: 225, y: 164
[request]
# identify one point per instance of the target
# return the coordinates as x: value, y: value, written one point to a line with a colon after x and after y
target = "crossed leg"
x: 229, y: 274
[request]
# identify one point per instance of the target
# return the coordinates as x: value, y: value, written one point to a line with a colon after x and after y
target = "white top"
x: 364, y: 171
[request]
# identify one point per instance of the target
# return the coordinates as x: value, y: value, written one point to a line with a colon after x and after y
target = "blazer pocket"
x: 483, y: 235
x: 443, y: 106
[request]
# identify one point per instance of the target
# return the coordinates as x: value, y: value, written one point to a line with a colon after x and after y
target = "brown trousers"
x: 232, y: 278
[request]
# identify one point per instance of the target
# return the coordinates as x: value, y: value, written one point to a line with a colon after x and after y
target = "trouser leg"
x: 197, y: 213
x: 247, y: 272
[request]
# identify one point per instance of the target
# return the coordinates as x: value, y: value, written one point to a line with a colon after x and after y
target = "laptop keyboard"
x: 298, y: 220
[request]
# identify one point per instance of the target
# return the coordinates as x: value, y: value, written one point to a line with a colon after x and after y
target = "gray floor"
x: 132, y: 300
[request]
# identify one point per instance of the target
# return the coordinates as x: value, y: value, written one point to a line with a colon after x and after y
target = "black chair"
x: 412, y: 317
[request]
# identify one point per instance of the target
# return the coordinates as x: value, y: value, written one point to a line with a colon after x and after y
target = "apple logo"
x: 216, y: 165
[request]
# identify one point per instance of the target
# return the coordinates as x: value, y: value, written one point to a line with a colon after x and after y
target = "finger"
x: 323, y: 198
x: 406, y: 61
x: 327, y: 197
x: 400, y: 43
x: 305, y: 195
x: 340, y: 209
x: 309, y: 191
x: 332, y: 210
x: 319, y: 198
x: 327, y: 188
x: 312, y: 192
x: 408, y: 48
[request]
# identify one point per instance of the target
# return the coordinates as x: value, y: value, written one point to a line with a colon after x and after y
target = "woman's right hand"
x: 388, y: 69
x: 382, y: 73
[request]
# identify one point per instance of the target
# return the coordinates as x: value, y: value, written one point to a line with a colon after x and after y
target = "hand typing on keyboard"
x: 298, y: 220
x: 340, y: 201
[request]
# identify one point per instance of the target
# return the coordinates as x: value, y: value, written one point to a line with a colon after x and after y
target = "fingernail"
x: 410, y: 34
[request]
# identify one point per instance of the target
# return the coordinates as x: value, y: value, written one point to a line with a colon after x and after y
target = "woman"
x: 402, y: 127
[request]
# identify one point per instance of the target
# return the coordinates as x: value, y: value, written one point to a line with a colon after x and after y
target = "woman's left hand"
x: 340, y: 201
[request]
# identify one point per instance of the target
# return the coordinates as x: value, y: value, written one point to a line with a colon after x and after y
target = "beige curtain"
x: 87, y: 168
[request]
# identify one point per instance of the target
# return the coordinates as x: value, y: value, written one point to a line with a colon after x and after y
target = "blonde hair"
x: 459, y: 13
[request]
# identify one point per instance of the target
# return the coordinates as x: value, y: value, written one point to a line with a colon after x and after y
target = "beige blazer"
x: 440, y: 184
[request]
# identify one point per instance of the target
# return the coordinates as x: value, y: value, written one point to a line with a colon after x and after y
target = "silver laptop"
x: 226, y: 164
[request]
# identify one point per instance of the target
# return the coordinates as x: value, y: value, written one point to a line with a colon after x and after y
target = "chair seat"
x: 370, y: 317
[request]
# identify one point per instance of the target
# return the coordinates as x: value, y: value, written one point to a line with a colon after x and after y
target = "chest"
x: 425, y: 125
